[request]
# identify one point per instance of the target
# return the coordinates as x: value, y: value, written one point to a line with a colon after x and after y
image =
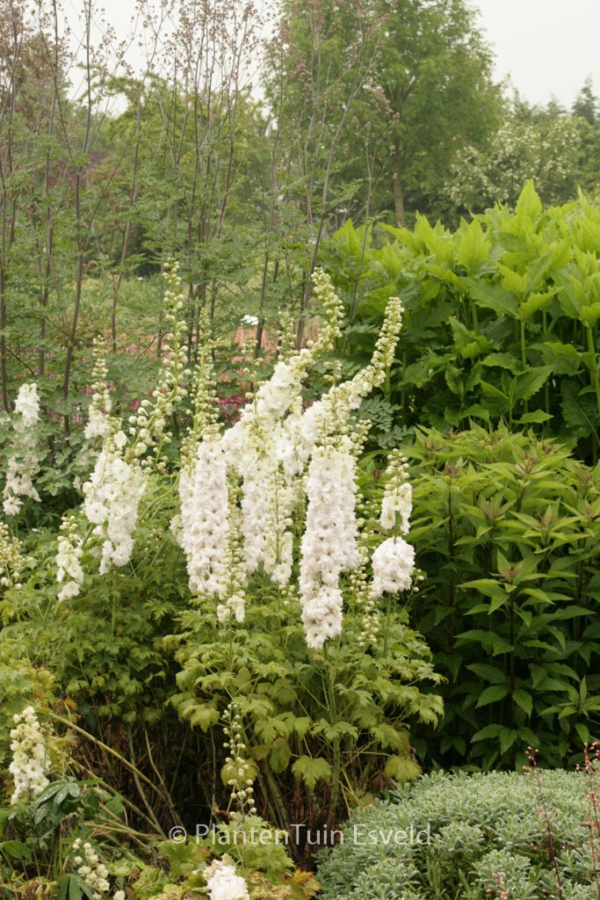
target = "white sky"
x: 548, y: 47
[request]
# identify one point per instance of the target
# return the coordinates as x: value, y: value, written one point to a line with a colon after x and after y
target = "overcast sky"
x: 549, y: 47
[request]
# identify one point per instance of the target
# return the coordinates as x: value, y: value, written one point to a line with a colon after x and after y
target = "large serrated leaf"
x: 529, y: 205
x: 524, y: 700
x: 579, y: 410
x: 529, y: 383
x: 493, y: 296
x: 280, y: 756
x: 488, y: 673
x: 474, y: 248
x: 402, y: 769
x: 492, y: 694
x: 311, y: 770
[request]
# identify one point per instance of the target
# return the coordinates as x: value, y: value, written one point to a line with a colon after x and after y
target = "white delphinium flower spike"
x: 12, y: 560
x: 204, y: 518
x: 91, y: 869
x: 330, y: 414
x: 203, y: 529
x: 329, y: 542
x: 68, y: 559
x: 393, y: 567
x: 98, y: 424
x: 29, y: 766
x: 223, y: 883
x: 148, y: 425
x: 394, y: 560
x: 23, y: 463
x: 233, y: 598
x: 397, y: 497
x: 112, y: 496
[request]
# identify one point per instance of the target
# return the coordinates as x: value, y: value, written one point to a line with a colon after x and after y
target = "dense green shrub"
x: 507, y: 528
x: 501, y: 319
x: 470, y: 837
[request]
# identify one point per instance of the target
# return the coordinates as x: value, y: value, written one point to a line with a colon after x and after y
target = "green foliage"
x: 103, y: 647
x: 35, y: 836
x: 501, y: 318
x: 322, y: 729
x: 416, y: 84
x: 314, y: 723
x: 471, y: 837
x: 507, y: 530
x: 543, y: 144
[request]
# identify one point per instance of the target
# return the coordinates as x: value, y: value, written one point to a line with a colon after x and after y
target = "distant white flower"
x: 23, y: 463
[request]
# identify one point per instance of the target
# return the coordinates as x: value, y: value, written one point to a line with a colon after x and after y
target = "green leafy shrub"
x: 508, y: 530
x: 501, y: 319
x: 473, y: 837
x: 239, y: 559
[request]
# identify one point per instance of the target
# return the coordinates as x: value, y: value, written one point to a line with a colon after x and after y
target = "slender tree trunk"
x: 397, y: 178
x: 125, y: 246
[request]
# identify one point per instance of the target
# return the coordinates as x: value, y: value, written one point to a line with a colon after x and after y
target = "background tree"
x: 435, y: 72
x: 543, y: 144
x: 587, y: 110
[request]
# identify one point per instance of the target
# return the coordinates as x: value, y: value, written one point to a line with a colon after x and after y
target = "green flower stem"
x: 594, y: 365
x: 523, y: 358
x: 337, y: 755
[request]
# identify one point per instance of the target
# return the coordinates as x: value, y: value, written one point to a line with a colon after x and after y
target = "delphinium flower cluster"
x: 23, y: 463
x: 68, y: 559
x: 206, y: 527
x: 30, y: 765
x: 394, y: 559
x: 92, y: 870
x: 282, y: 456
x: 241, y: 492
x: 12, y: 560
x: 148, y: 432
x: 98, y: 424
x: 238, y: 770
x: 117, y: 484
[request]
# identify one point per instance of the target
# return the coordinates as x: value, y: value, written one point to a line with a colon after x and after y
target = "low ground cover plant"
x: 513, y: 836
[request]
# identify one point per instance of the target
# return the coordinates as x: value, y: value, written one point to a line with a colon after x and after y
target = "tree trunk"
x: 398, y: 191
